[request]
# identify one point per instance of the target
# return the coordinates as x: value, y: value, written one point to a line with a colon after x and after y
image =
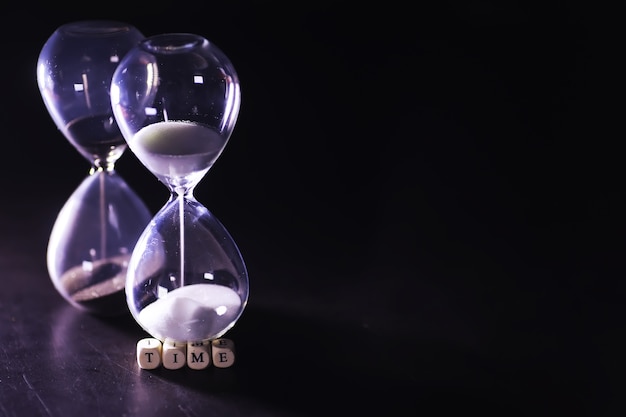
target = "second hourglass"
x: 96, y: 229
x: 176, y: 99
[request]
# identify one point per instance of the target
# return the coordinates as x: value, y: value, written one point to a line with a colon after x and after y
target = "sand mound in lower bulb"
x: 190, y: 313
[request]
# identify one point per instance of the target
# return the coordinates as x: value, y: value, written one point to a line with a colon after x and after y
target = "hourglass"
x: 95, y: 231
x: 176, y: 99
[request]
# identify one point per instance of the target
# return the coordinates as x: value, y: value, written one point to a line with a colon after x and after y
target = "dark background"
x: 429, y: 199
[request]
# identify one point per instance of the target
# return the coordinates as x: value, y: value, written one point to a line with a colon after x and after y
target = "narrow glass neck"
x: 183, y: 186
x: 103, y: 157
x: 182, y: 192
x: 95, y: 168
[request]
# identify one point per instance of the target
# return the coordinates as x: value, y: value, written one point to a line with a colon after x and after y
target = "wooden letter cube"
x: 174, y: 354
x: 149, y: 353
x: 223, y: 352
x: 198, y: 354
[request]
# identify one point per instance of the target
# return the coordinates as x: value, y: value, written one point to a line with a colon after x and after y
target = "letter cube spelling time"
x: 174, y: 354
x: 199, y: 354
x: 149, y: 353
x: 223, y: 352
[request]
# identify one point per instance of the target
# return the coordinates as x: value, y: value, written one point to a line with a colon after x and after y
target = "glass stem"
x: 181, y: 220
x: 103, y: 215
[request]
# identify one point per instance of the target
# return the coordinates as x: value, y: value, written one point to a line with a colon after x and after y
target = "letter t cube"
x: 149, y: 353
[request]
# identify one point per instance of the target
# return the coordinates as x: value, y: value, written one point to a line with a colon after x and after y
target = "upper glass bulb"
x: 74, y: 72
x: 176, y: 98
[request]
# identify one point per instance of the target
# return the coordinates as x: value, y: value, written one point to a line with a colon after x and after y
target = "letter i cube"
x: 149, y: 353
x: 174, y: 354
x: 223, y: 352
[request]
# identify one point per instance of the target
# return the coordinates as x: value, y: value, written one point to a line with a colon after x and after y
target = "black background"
x: 429, y: 199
